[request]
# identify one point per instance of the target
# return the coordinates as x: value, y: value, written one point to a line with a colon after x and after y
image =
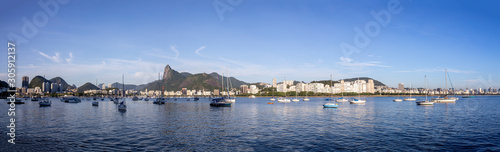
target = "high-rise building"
x: 103, y: 86
x: 401, y: 86
x: 244, y: 88
x: 54, y: 87
x: 109, y: 85
x: 275, y: 83
x: 25, y: 82
x: 46, y: 87
x: 370, y: 86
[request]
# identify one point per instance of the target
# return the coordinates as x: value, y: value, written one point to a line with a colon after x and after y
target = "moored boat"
x: 45, y: 102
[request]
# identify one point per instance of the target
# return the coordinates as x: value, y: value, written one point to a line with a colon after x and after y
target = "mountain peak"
x: 166, y: 72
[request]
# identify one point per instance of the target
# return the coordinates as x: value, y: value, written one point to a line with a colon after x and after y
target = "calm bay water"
x: 253, y: 125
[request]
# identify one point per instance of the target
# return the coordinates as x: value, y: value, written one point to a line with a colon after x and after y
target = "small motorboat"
x: 270, y: 103
x: 95, y: 103
x: 357, y: 101
x: 220, y: 102
x: 425, y: 102
x: 122, y: 106
x: 45, y: 102
x: 330, y: 105
x: 16, y: 101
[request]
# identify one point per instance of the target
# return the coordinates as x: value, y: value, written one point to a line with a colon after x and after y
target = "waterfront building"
x: 216, y: 92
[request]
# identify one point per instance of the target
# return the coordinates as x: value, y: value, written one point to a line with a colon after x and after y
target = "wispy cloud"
x: 198, y: 50
x: 70, y: 59
x: 351, y: 64
x: 54, y: 58
x: 436, y: 70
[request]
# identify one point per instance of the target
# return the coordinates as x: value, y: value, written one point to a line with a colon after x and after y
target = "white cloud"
x: 349, y: 63
x: 198, y: 50
x: 70, y: 58
x: 55, y: 58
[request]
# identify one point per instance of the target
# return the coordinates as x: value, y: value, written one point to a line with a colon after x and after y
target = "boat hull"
x: 409, y: 99
x: 341, y: 100
x: 330, y: 105
x: 397, y: 100
x: 357, y: 101
x: 424, y: 103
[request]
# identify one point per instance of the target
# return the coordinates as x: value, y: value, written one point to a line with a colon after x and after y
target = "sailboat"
x: 306, y: 99
x: 444, y: 98
x: 229, y: 99
x: 159, y: 100
x: 45, y: 102
x: 281, y: 99
x: 330, y: 104
x: 296, y: 97
x: 358, y: 101
x: 425, y: 102
x: 410, y: 98
x: 468, y: 96
x: 342, y: 99
x: 222, y: 101
x: 122, y: 106
x: 272, y: 98
x: 398, y: 99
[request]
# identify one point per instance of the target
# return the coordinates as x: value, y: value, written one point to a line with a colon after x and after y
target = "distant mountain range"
x: 174, y: 81
x: 87, y: 86
x: 38, y: 80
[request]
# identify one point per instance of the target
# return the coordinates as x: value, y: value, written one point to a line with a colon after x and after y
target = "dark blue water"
x: 253, y: 125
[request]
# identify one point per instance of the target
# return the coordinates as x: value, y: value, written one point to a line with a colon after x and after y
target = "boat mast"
x: 285, y: 87
x: 123, y: 85
x: 446, y: 82
x: 222, y: 79
x: 426, y: 88
x: 331, y: 87
x: 227, y: 83
x: 410, y: 88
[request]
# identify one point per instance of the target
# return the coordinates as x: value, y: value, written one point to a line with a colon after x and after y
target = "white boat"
x: 252, y: 96
x: 45, y: 102
x: 283, y: 100
x: 358, y: 101
x: 296, y: 99
x: 398, y: 99
x: 425, y: 102
x: 342, y: 99
x: 272, y: 98
x: 445, y: 99
x: 230, y: 100
x: 306, y: 99
x: 410, y: 98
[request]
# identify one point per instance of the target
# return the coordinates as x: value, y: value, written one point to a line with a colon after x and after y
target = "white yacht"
x: 425, y: 102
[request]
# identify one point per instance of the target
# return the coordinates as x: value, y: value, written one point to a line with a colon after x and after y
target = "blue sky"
x: 258, y: 40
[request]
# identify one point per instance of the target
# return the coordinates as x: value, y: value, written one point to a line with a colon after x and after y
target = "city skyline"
x: 258, y: 41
